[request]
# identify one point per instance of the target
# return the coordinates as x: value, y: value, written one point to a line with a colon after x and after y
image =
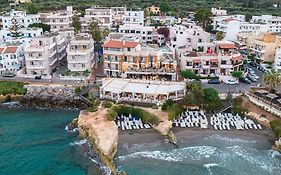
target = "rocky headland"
x: 102, y: 133
x: 53, y: 97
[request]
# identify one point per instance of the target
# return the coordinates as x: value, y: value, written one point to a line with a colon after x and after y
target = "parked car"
x: 196, y: 81
x: 250, y: 77
x: 231, y: 82
x: 38, y: 77
x: 8, y: 74
x: 261, y: 68
x: 214, y: 81
x: 254, y: 64
x: 244, y: 80
x: 255, y: 76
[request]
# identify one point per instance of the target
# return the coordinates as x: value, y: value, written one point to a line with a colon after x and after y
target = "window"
x: 181, y: 32
x: 125, y: 59
x: 129, y: 49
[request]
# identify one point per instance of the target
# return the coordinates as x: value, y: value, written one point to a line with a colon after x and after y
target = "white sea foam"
x: 79, y: 142
x: 231, y: 140
x: 176, y: 155
x: 209, y: 165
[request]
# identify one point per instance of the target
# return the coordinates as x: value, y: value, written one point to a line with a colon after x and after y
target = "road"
x: 224, y: 88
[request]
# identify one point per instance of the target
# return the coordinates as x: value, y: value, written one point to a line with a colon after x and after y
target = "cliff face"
x: 103, y: 134
x: 53, y: 97
x: 277, y: 145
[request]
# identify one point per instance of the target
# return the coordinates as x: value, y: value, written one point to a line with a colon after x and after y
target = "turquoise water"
x: 212, y: 154
x: 33, y: 142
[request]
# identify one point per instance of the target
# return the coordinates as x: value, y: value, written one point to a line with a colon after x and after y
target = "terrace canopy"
x: 116, y: 88
x: 262, y: 92
x: 271, y: 96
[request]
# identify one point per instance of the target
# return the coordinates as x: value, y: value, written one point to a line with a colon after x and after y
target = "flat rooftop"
x: 117, y: 85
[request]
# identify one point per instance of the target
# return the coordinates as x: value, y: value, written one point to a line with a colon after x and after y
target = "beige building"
x: 132, y: 60
x: 44, y: 54
x: 80, y: 53
x: 264, y: 46
x: 220, y: 59
x: 153, y: 9
x: 58, y: 20
x: 101, y: 14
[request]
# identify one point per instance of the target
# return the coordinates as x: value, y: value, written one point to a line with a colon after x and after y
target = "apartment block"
x: 101, y: 14
x: 21, y: 17
x: 59, y: 20
x: 133, y: 17
x: 220, y: 59
x: 44, y: 54
x: 117, y: 15
x: 11, y: 58
x: 277, y: 61
x: 153, y: 9
x: 145, y: 34
x: 80, y: 53
x: 264, y: 46
x: 130, y: 59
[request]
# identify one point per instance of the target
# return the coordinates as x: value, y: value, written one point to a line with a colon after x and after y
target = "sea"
x: 35, y: 142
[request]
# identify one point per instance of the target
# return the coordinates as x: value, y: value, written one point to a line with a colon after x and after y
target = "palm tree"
x: 272, y: 79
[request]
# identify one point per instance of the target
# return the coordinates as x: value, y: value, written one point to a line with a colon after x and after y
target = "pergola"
x: 141, y: 90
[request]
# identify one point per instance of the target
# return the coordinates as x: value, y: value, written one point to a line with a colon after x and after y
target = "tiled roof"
x: 237, y: 58
x: 11, y: 49
x: 227, y: 46
x: 1, y: 49
x: 229, y: 19
x: 214, y: 60
x: 192, y: 54
x: 120, y: 44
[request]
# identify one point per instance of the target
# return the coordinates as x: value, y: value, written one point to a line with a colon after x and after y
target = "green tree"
x: 15, y: 29
x: 219, y: 35
x: 238, y: 107
x: 237, y: 74
x: 272, y: 79
x: 165, y: 7
x: 95, y: 31
x: 195, y: 91
x: 203, y: 17
x: 32, y: 8
x: 45, y: 27
x: 250, y: 3
x: 76, y: 24
x: 188, y: 74
x: 211, y: 99
x: 248, y: 17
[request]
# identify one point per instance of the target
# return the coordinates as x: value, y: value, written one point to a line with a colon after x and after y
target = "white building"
x: 27, y: 34
x: 218, y: 12
x: 277, y: 61
x: 44, y: 54
x: 11, y: 58
x: 117, y: 15
x: 80, y: 53
x: 101, y: 14
x: 134, y: 17
x: 145, y: 34
x: 21, y: 17
x: 58, y: 20
x: 189, y: 37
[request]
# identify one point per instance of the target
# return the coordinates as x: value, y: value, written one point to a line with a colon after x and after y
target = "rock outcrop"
x: 277, y: 145
x: 165, y: 125
x: 52, y: 97
x: 103, y: 135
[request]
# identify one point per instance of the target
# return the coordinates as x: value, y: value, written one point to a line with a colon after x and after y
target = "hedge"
x: 126, y: 110
x: 276, y: 127
x: 7, y: 87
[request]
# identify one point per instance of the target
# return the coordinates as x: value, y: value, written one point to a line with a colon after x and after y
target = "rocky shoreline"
x: 53, y: 97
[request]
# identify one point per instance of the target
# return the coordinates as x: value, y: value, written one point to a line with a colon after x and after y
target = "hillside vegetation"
x: 177, y: 7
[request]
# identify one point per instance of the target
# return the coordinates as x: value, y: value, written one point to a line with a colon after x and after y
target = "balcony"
x: 206, y: 66
x: 226, y: 66
x: 35, y: 67
x: 214, y: 65
x: 53, y: 62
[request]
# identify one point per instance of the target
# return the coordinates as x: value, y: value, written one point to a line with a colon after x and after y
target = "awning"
x: 271, y: 96
x: 262, y: 92
x: 237, y: 58
x: 227, y: 46
x: 214, y: 60
x: 197, y: 61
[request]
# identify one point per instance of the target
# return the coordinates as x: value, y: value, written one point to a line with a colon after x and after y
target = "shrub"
x: 7, y: 87
x: 77, y: 90
x: 167, y: 104
x: 174, y: 111
x: 276, y: 127
x: 126, y: 110
x: 107, y: 104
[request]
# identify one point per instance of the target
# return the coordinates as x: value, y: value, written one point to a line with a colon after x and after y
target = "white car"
x: 231, y: 82
x: 255, y: 76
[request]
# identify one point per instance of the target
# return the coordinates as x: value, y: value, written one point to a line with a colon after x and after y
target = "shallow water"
x: 34, y: 142
x: 199, y: 155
